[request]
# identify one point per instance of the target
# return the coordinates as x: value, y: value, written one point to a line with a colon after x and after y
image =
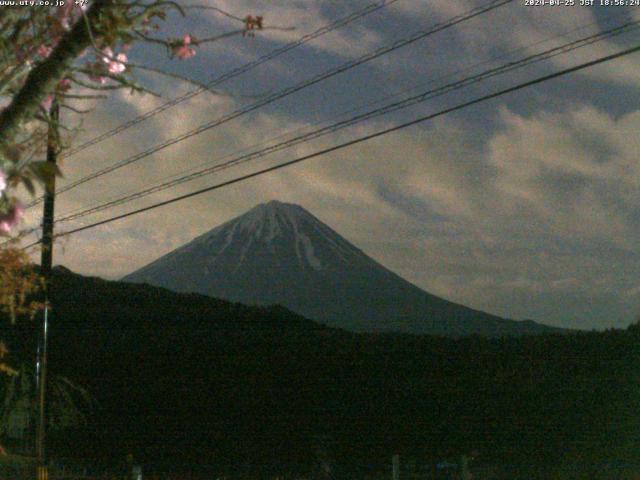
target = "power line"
x: 80, y: 212
x: 195, y: 172
x: 234, y: 73
x: 290, y: 90
x: 356, y: 140
x: 415, y: 99
x: 221, y: 79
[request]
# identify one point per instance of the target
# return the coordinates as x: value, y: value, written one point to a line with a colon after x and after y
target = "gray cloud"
x: 528, y: 211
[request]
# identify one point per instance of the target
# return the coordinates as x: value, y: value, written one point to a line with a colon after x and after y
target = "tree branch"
x: 44, y: 78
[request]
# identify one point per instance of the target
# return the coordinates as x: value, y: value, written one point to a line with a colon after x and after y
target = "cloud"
x: 544, y: 209
x: 530, y: 215
x: 549, y: 27
x: 302, y: 17
x: 562, y: 170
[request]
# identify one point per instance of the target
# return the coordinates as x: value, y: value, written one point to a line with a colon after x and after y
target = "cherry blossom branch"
x: 216, y: 9
x: 177, y: 77
x: 44, y: 77
x: 121, y: 82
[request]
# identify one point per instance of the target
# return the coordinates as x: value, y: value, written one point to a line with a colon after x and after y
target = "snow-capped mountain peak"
x: 273, y: 233
x: 279, y: 253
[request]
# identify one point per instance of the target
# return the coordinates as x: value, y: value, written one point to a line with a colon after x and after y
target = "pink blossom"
x: 46, y: 103
x: 98, y: 79
x: 64, y: 23
x: 11, y: 218
x: 16, y: 213
x: 115, y: 64
x: 108, y: 54
x: 63, y: 15
x: 184, y: 51
x: 64, y: 85
x: 118, y: 66
x: 44, y: 51
x: 3, y: 181
x: 66, y: 14
x: 63, y: 19
x: 5, y: 227
x: 96, y: 69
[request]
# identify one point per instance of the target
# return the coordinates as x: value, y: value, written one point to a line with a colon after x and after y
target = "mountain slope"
x: 279, y: 253
x: 186, y: 382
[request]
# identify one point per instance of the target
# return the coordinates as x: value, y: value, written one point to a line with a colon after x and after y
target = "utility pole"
x: 45, y: 267
x: 395, y: 467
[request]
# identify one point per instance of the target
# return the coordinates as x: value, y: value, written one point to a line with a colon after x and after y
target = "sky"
x: 524, y: 206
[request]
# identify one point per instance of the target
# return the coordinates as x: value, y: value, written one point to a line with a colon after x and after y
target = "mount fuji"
x: 279, y: 253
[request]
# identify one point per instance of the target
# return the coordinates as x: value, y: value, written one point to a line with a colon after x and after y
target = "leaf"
x: 10, y: 152
x: 28, y: 184
x: 6, y: 369
x: 45, y: 170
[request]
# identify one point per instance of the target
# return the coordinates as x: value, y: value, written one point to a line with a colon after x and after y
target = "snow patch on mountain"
x: 308, y: 250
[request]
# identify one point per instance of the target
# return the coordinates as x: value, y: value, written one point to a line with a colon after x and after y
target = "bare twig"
x: 216, y: 9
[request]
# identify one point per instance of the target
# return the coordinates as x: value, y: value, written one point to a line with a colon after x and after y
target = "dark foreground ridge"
x: 185, y: 382
x: 279, y: 253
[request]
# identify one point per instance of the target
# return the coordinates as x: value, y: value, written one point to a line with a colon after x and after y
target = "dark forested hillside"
x: 188, y: 380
